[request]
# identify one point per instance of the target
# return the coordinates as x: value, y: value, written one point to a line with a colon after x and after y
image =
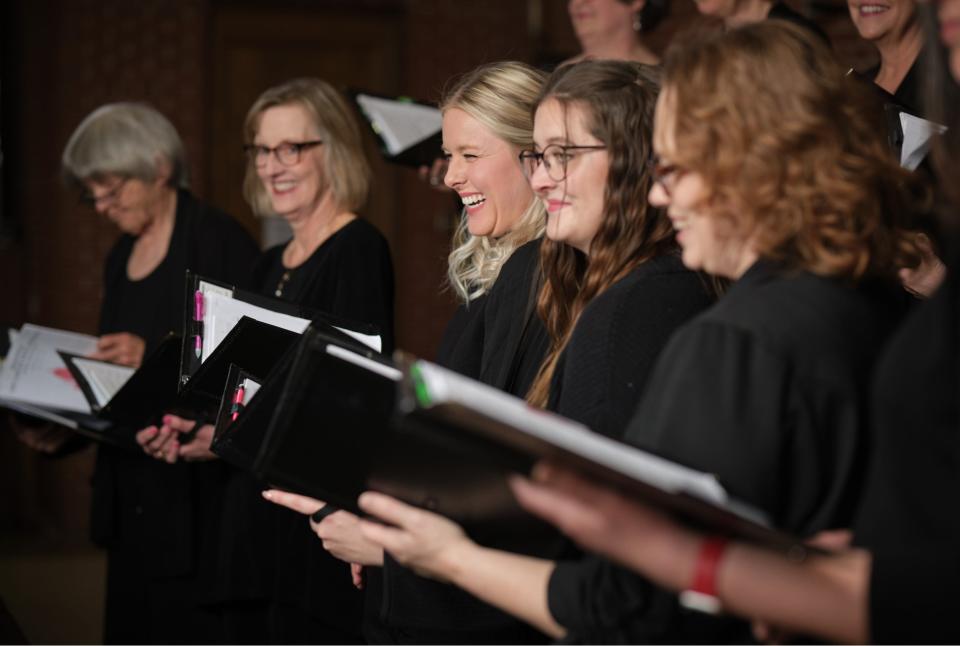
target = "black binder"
x: 239, y: 441
x: 337, y: 432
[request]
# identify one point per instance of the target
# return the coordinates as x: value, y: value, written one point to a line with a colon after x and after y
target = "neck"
x: 161, y: 215
x: 748, y: 257
x: 897, y: 55
x: 748, y: 12
x: 621, y: 45
x: 312, y: 231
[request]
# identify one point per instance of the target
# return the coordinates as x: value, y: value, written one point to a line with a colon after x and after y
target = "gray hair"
x: 125, y: 139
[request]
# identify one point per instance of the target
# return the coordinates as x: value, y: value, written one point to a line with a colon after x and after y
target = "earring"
x: 637, y: 22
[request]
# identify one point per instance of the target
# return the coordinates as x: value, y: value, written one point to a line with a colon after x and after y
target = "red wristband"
x: 702, y: 594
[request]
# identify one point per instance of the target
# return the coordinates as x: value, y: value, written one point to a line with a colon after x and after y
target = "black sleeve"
x: 616, y: 344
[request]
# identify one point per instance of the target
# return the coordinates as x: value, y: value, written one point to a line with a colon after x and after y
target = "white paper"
x: 33, y: 372
x: 400, y: 124
x: 917, y: 135
x: 250, y: 388
x: 221, y: 314
x: 105, y: 379
x: 446, y: 386
x: 372, y: 341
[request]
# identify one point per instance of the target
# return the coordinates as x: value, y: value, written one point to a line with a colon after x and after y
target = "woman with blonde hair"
x: 494, y: 336
x: 305, y: 163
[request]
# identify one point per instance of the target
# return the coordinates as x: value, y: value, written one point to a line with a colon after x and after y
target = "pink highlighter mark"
x: 64, y: 374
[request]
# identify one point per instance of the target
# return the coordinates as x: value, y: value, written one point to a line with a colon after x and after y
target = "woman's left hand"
x: 339, y: 531
x: 424, y: 541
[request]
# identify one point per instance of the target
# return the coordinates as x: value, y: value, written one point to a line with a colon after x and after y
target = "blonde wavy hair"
x: 792, y: 151
x: 500, y: 96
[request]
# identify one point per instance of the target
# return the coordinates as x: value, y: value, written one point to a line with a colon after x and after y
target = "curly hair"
x: 500, y: 96
x: 617, y: 101
x: 792, y: 151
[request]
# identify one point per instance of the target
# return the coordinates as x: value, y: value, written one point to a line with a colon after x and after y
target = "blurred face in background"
x: 880, y: 20
x: 594, y: 19
x: 948, y: 13
x: 716, y: 8
x: 485, y: 172
x: 296, y: 185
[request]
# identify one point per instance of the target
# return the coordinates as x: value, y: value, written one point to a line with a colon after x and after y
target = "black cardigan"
x: 767, y: 390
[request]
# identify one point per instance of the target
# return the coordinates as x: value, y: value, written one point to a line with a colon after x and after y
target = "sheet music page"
x: 33, y: 372
x: 221, y: 314
x: 445, y: 386
x: 400, y: 124
x: 105, y: 379
x: 917, y: 135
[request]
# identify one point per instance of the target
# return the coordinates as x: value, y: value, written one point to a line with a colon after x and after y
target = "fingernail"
x: 267, y: 494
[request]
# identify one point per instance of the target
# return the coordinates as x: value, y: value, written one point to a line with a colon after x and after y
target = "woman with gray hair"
x: 129, y: 164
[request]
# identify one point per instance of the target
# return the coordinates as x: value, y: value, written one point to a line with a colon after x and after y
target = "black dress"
x: 151, y: 516
x: 767, y: 390
x: 908, y: 518
x: 498, y: 339
x: 275, y: 582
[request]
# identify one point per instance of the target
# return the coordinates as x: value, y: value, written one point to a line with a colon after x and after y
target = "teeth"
x: 472, y: 200
x: 872, y: 9
x: 283, y: 186
x: 679, y: 225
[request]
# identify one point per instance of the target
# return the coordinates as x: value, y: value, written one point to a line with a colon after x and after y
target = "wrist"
x: 457, y: 558
x: 701, y: 591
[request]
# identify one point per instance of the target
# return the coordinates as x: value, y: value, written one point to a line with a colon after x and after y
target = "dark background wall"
x: 202, y: 62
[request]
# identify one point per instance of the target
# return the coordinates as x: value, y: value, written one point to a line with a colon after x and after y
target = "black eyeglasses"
x: 554, y: 158
x: 90, y: 200
x: 666, y: 175
x: 287, y: 153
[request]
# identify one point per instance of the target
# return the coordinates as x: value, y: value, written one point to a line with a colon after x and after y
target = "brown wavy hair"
x: 792, y: 151
x: 617, y: 99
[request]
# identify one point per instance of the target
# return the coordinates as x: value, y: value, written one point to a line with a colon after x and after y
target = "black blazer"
x: 767, y: 390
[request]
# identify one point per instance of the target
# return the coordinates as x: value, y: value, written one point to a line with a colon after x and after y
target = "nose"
x: 658, y: 195
x: 540, y: 181
x: 455, y: 175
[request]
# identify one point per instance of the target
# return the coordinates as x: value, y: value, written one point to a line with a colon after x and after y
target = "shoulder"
x: 360, y: 232
x: 654, y: 289
x: 211, y: 223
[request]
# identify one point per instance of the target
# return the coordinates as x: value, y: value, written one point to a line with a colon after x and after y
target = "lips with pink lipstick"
x: 555, y: 205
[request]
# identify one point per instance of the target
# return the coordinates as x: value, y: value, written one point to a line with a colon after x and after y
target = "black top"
x: 767, y: 390
x: 496, y: 338
x: 909, y: 94
x: 604, y: 368
x: 908, y: 517
x: 781, y: 11
x: 139, y: 503
x: 349, y: 276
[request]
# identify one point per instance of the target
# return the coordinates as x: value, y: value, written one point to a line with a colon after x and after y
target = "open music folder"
x: 442, y: 441
x: 409, y: 132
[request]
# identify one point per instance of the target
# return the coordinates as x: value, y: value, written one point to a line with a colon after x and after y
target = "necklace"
x: 282, y: 283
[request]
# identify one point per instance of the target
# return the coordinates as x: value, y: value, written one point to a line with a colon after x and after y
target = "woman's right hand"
x: 159, y: 442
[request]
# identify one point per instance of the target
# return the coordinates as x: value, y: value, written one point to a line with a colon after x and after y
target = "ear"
x: 164, y: 172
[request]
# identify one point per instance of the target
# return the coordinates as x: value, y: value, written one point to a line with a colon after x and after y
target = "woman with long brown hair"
x: 614, y: 291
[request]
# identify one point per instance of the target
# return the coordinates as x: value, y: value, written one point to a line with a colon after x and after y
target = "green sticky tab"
x: 420, y: 386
